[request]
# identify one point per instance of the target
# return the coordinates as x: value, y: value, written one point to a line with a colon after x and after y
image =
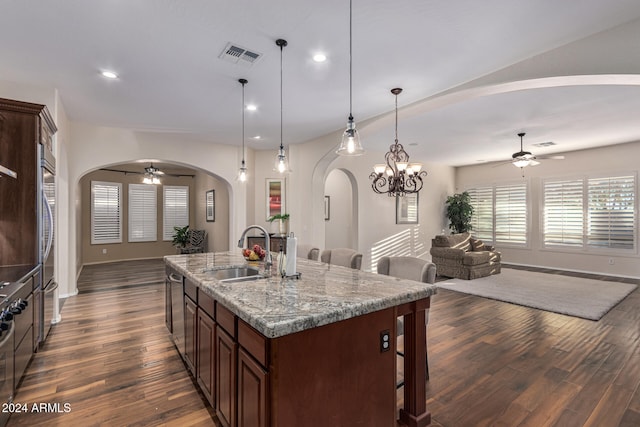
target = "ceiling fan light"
x: 521, y: 163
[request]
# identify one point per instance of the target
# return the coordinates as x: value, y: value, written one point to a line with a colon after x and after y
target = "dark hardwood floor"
x: 490, y: 363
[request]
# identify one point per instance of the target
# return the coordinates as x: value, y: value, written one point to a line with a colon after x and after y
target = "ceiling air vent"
x: 544, y: 144
x: 239, y: 55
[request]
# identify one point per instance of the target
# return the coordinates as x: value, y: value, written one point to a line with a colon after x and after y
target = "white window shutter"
x: 143, y: 217
x: 176, y: 209
x: 106, y: 212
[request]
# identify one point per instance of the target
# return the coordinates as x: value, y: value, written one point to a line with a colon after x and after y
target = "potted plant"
x: 283, y: 222
x: 459, y: 212
x: 180, y: 236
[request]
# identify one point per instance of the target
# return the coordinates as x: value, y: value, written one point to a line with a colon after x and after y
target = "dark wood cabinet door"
x: 190, y: 329
x: 205, y: 367
x: 225, y: 398
x: 252, y: 392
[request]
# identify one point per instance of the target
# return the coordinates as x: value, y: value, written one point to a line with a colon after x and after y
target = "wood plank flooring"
x: 490, y: 363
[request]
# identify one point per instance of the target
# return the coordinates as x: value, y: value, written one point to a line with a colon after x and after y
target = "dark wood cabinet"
x: 22, y: 126
x: 190, y: 333
x: 226, y: 354
x: 252, y: 392
x: 205, y: 364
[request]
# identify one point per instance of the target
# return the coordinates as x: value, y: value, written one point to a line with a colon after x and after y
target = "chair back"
x: 410, y: 268
x: 308, y: 252
x: 342, y: 256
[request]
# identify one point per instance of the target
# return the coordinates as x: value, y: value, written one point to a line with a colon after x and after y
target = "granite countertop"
x: 278, y: 306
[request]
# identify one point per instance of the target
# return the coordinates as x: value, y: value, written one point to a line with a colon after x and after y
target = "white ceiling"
x: 171, y: 79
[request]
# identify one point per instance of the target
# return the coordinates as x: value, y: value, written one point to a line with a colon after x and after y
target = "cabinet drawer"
x: 253, y: 342
x: 206, y: 303
x: 191, y: 289
x: 226, y: 319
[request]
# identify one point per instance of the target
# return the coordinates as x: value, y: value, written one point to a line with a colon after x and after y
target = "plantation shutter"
x: 481, y: 199
x: 563, y: 213
x: 143, y: 215
x: 106, y: 212
x: 176, y: 209
x: 611, y: 212
x: 511, y: 213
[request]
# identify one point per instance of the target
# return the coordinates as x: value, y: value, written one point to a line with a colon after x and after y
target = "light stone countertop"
x: 278, y: 306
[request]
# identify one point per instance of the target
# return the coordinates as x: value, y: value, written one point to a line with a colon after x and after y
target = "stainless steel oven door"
x: 6, y: 370
x: 49, y: 295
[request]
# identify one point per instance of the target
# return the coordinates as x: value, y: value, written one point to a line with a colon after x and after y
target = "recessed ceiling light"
x: 319, y: 57
x: 109, y: 74
x: 251, y: 107
x: 413, y: 144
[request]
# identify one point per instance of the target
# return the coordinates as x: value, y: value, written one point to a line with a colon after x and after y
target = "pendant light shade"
x: 350, y: 144
x: 242, y: 172
x: 282, y: 163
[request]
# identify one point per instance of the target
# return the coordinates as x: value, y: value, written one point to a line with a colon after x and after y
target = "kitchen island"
x: 314, y: 351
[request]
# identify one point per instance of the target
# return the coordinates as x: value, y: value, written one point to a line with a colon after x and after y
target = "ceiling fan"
x: 151, y: 174
x: 523, y: 158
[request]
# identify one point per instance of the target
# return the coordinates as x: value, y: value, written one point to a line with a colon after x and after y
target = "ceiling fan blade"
x: 550, y: 157
x: 534, y: 163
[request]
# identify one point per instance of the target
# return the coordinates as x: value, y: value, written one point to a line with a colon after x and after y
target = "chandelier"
x: 282, y: 164
x: 397, y: 176
x: 242, y: 172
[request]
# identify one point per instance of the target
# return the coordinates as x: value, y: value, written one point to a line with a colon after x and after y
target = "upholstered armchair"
x: 307, y: 251
x: 197, y: 242
x: 342, y: 256
x: 464, y: 257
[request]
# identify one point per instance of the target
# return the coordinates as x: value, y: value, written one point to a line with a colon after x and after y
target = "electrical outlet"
x: 385, y: 341
x: 104, y: 251
x: 612, y: 261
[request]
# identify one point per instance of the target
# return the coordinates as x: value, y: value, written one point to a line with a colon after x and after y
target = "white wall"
x: 615, y: 159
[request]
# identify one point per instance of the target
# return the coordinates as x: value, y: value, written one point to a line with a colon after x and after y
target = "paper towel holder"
x: 291, y: 238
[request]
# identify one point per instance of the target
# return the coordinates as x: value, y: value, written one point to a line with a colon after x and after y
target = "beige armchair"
x: 410, y: 268
x: 342, y: 256
x: 308, y: 252
x: 464, y: 257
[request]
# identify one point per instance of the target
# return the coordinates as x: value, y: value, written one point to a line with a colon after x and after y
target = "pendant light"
x: 242, y: 172
x: 397, y: 176
x: 350, y: 145
x: 282, y: 164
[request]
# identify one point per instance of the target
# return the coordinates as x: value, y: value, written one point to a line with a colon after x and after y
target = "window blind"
x: 106, y: 212
x: 563, y: 213
x: 143, y: 216
x: 175, y: 209
x: 481, y: 199
x: 611, y: 212
x: 511, y: 213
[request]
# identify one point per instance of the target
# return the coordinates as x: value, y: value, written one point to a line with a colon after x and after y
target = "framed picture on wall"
x: 210, y: 205
x: 275, y: 197
x: 327, y: 208
x: 407, y: 209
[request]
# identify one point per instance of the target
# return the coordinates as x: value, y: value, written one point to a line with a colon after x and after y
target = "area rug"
x: 586, y: 298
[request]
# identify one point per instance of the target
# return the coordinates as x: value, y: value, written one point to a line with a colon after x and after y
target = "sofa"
x: 464, y: 257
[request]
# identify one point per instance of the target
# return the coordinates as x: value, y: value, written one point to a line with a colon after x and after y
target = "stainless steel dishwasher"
x: 177, y: 309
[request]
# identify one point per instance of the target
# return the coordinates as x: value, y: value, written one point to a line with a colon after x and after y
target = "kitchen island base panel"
x: 335, y: 374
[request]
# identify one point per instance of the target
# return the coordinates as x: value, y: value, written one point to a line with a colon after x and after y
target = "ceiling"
x: 171, y: 79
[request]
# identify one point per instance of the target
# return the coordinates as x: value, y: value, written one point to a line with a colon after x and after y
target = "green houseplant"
x: 282, y: 224
x: 459, y: 212
x: 180, y: 236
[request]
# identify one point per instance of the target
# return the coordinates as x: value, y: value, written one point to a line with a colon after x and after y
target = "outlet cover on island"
x: 612, y: 261
x: 104, y: 252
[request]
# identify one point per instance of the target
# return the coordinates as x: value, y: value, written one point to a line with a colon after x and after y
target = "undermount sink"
x: 235, y: 273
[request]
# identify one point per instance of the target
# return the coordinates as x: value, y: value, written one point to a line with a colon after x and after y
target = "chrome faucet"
x: 267, y: 243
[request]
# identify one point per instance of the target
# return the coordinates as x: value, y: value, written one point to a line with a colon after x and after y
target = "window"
x: 590, y: 213
x: 106, y: 212
x: 176, y: 209
x: 500, y: 213
x: 143, y: 215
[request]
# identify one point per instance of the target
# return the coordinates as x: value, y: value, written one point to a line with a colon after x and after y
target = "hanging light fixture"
x: 350, y: 145
x: 397, y: 177
x: 282, y: 164
x: 242, y: 172
x: 151, y: 175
